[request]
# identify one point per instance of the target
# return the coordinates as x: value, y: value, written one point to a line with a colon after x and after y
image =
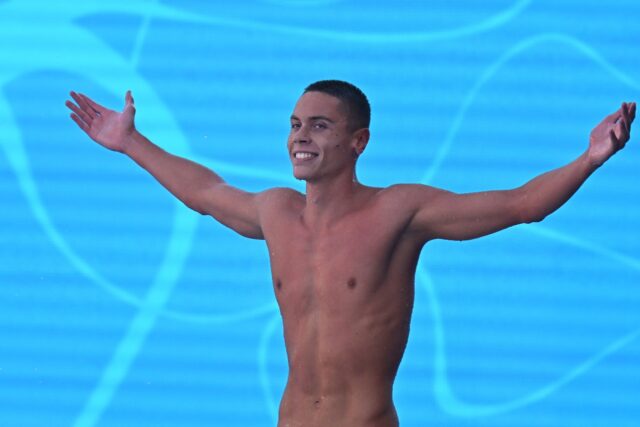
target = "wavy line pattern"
x: 155, y: 303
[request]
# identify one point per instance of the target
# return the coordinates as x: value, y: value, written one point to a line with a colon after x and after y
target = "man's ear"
x: 361, y: 138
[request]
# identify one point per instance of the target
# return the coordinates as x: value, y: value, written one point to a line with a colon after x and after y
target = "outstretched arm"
x: 196, y: 186
x: 446, y: 215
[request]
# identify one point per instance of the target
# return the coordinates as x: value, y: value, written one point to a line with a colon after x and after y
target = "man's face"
x: 320, y: 142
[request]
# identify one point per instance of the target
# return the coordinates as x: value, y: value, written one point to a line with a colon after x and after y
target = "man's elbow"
x: 531, y: 217
x: 526, y: 210
x: 194, y: 206
x: 197, y: 201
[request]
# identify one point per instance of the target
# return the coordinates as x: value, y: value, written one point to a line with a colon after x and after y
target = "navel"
x: 278, y: 284
x: 352, y: 283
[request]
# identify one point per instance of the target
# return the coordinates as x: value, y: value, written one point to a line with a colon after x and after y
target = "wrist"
x: 130, y: 142
x: 590, y: 161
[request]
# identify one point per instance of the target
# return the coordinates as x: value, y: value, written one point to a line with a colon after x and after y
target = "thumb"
x: 129, y: 111
x: 128, y: 99
x: 128, y: 102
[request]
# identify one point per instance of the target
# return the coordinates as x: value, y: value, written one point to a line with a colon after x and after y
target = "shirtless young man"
x: 344, y: 255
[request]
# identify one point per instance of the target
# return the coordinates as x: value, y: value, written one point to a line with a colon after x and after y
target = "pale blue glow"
x: 120, y: 307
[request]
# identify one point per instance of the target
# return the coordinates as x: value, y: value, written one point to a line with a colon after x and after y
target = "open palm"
x: 611, y: 134
x: 109, y: 128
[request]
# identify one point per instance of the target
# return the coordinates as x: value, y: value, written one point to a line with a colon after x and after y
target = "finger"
x: 84, y: 116
x: 632, y: 112
x: 83, y: 104
x: 97, y: 107
x: 613, y: 117
x: 621, y: 135
x: 85, y: 127
x: 614, y: 140
x: 129, y: 107
x: 625, y: 116
x: 623, y: 131
x: 128, y: 98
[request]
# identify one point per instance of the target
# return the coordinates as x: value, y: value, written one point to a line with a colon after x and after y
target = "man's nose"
x: 302, y: 136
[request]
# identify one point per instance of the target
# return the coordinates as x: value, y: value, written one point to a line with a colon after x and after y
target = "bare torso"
x: 343, y: 261
x: 345, y: 292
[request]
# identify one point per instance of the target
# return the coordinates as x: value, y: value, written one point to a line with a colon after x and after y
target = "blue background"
x: 120, y: 307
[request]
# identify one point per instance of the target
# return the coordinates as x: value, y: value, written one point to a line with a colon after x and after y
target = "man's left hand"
x: 611, y: 134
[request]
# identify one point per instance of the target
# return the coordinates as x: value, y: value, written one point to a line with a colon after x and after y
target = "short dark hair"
x: 353, y: 98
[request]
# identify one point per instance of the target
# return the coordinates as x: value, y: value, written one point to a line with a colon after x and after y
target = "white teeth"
x: 304, y: 155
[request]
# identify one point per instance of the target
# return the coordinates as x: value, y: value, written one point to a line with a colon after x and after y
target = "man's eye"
x: 319, y: 126
x: 295, y: 125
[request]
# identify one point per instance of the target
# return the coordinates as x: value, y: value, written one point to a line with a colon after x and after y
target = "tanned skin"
x: 344, y: 255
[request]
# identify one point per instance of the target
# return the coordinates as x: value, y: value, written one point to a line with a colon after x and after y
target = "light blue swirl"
x: 522, y: 46
x: 442, y: 390
x: 156, y: 10
x: 360, y: 37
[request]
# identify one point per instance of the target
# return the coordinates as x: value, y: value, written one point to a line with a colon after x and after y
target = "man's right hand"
x: 108, y: 128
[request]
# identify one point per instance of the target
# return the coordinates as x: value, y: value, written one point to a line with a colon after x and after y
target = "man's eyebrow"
x: 321, y: 118
x: 294, y: 117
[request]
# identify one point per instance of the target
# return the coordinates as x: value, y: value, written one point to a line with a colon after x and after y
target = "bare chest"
x: 332, y: 270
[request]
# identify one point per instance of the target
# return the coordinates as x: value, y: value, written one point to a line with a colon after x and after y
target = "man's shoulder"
x: 409, y: 199
x: 279, y: 197
x: 407, y: 193
x: 280, y: 193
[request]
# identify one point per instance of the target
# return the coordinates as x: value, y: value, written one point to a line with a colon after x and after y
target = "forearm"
x: 547, y: 192
x: 182, y: 177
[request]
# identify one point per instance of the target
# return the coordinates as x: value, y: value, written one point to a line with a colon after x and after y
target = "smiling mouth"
x: 304, y: 155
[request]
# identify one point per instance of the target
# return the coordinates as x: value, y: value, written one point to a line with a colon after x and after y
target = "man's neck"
x: 331, y: 198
